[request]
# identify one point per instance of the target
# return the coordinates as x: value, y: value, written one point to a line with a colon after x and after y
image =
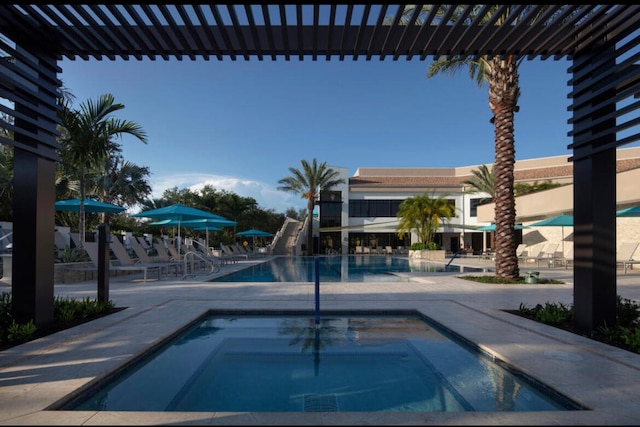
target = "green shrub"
x: 626, y: 333
x: 20, y: 333
x: 554, y: 314
x: 66, y: 312
x: 631, y: 337
x: 627, y: 312
x: 431, y: 246
x: 69, y: 254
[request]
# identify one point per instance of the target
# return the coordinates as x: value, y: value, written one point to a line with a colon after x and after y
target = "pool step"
x: 320, y: 403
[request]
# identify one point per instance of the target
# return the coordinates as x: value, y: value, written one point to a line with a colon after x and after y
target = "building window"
x: 330, y: 209
x: 473, y: 211
x: 374, y: 208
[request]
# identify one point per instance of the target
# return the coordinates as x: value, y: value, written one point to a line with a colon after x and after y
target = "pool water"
x: 355, y: 361
x: 351, y: 268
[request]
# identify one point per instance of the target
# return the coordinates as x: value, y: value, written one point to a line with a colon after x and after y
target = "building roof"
x: 557, y: 169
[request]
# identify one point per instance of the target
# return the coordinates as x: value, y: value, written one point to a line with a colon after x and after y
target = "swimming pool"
x: 348, y: 268
x: 245, y: 361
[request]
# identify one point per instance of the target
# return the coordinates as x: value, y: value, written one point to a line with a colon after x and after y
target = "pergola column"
x: 594, y: 198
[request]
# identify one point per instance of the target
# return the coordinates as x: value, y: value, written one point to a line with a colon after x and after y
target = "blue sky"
x: 239, y: 125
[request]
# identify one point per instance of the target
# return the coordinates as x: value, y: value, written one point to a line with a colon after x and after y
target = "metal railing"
x: 196, y: 265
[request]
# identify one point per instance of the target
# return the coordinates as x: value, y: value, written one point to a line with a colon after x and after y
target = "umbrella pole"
x: 179, y: 240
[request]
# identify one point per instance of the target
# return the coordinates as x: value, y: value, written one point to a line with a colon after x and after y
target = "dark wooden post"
x: 103, y: 263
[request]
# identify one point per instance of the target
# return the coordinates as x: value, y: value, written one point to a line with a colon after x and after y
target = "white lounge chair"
x: 624, y: 256
x: 127, y: 263
x: 562, y: 259
x: 92, y: 250
x: 547, y: 253
x: 229, y: 251
x: 160, y: 260
x: 532, y: 255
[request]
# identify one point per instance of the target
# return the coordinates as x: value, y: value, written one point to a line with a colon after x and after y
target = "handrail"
x: 204, y: 247
x: 454, y: 257
x: 190, y: 258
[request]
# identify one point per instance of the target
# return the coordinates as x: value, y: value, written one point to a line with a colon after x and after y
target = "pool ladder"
x: 196, y: 265
x: 452, y: 258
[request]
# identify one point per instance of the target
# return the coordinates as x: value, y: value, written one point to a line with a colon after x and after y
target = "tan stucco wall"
x: 557, y: 201
x: 627, y: 230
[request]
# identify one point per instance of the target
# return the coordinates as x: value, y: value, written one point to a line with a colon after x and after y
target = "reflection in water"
x: 312, y: 337
x: 506, y: 389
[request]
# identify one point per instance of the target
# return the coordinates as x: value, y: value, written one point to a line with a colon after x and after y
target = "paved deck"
x: 36, y: 375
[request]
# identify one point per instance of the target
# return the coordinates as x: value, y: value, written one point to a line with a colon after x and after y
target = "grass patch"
x: 519, y: 281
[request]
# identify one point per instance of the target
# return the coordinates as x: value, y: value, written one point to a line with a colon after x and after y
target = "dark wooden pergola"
x: 602, y: 41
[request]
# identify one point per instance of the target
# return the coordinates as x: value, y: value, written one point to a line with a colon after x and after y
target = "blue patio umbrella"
x: 179, y: 213
x: 253, y: 233
x: 90, y: 205
x: 629, y: 212
x: 492, y: 227
x: 556, y: 221
x: 204, y: 224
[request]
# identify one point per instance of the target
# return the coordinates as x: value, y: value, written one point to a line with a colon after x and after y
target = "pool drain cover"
x: 320, y: 403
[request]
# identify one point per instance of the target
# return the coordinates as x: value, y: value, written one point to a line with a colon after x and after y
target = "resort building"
x: 362, y: 215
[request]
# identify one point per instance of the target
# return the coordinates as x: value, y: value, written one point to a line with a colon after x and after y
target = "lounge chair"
x: 563, y: 259
x: 533, y: 255
x: 242, y: 250
x: 548, y: 253
x: 144, y: 243
x: 127, y: 263
x: 521, y: 250
x: 162, y: 250
x: 228, y: 250
x: 92, y: 250
x: 145, y: 258
x: 173, y: 252
x: 624, y: 256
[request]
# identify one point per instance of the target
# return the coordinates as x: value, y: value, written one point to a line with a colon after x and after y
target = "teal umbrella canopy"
x: 629, y: 212
x: 179, y: 213
x: 176, y: 212
x: 492, y: 227
x: 93, y: 206
x: 255, y: 233
x: 207, y: 228
x: 556, y: 221
x: 217, y: 222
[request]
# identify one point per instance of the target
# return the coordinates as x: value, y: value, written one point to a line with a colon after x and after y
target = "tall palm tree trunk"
x: 503, y: 99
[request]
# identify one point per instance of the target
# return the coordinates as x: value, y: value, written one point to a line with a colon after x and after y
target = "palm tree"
x: 501, y: 74
x: 85, y: 139
x: 309, y: 182
x: 121, y: 182
x: 424, y: 213
x: 235, y: 207
x: 483, y: 181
